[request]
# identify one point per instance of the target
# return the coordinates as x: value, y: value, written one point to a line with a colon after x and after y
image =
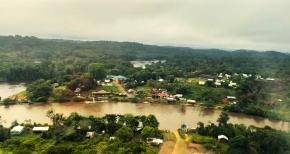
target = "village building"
x: 77, y: 90
x: 17, y: 130
x: 217, y: 83
x: 160, y: 80
x: 210, y: 80
x: 222, y: 138
x: 200, y: 82
x: 163, y: 94
x: 171, y: 99
x: 232, y: 84
x: 107, y: 80
x: 178, y: 96
x: 90, y: 134
x: 117, y: 77
x: 101, y: 93
x: 230, y: 100
x: 40, y: 129
x: 227, y: 76
x: 131, y: 91
x: 245, y: 75
x: 154, y: 141
x: 190, y: 101
x: 270, y: 79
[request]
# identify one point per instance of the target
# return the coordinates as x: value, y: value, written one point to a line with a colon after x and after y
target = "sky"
x: 225, y: 24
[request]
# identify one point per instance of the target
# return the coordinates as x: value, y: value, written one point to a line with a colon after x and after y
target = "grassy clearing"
x: 209, y: 143
x: 23, y: 93
x: 112, y: 89
x: 145, y: 89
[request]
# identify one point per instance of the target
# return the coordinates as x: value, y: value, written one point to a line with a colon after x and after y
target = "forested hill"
x: 46, y: 58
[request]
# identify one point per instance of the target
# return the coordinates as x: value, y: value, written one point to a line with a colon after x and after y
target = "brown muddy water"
x: 7, y: 90
x: 170, y: 116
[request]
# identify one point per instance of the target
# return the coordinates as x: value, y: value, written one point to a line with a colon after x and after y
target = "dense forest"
x: 30, y: 58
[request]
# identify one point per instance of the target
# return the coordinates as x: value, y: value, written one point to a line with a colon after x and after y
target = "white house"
x: 161, y: 80
x: 107, y: 81
x: 90, y: 134
x: 178, y: 95
x: 210, y: 80
x: 154, y: 141
x: 40, y: 129
x: 220, y: 137
x: 227, y: 76
x: 232, y: 84
x: 270, y: 79
x: 201, y: 82
x: 17, y: 130
x: 191, y: 101
x: 131, y: 91
x: 217, y: 82
x: 231, y: 97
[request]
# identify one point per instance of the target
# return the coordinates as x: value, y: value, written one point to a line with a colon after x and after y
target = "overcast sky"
x: 229, y: 24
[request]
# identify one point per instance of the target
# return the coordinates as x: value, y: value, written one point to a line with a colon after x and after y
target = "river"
x: 170, y: 116
x: 7, y: 89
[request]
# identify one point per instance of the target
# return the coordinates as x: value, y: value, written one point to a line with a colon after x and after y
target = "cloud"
x: 249, y: 24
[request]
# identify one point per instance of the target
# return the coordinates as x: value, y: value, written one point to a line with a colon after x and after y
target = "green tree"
x: 148, y: 131
x: 223, y: 119
x: 97, y: 71
x: 39, y: 91
x: 4, y: 133
x: 151, y: 121
x: 125, y: 134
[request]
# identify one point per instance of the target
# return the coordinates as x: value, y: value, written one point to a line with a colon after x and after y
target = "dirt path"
x: 121, y: 88
x: 169, y: 144
x: 181, y: 146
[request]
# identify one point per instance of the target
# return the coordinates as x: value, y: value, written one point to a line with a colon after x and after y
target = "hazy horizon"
x: 224, y: 24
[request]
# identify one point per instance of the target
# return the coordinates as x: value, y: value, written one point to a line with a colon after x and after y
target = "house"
x: 200, y: 82
x: 40, y: 129
x: 245, y: 75
x: 270, y: 79
x: 171, y: 99
x: 22, y: 98
x: 231, y: 97
x: 90, y: 134
x: 77, y: 90
x: 154, y: 141
x: 232, y: 84
x: 117, y: 77
x: 160, y: 80
x: 222, y: 137
x: 112, y: 138
x: 107, y: 80
x: 163, y: 94
x: 217, y: 83
x: 131, y: 91
x: 101, y: 93
x: 191, y: 101
x: 210, y: 80
x: 230, y: 100
x: 227, y: 76
x: 17, y: 130
x: 178, y: 95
